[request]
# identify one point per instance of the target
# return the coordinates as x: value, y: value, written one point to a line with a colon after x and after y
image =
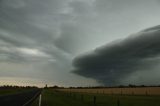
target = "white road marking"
x: 40, y: 98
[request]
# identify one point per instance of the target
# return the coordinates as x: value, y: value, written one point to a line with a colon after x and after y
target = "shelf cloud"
x: 115, y: 61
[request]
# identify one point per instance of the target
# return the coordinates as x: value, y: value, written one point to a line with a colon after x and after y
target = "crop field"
x: 120, y: 91
x: 58, y: 97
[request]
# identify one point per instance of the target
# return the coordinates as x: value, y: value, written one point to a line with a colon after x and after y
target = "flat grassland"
x: 61, y: 97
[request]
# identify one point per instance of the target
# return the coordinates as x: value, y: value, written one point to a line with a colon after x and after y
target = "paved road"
x: 20, y: 99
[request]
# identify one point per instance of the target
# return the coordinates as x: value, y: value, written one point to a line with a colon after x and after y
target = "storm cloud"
x: 40, y: 38
x: 113, y: 62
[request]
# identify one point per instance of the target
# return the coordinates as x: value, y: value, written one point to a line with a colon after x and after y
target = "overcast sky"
x: 79, y: 42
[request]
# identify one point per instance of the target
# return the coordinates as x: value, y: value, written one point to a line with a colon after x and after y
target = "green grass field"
x: 54, y: 98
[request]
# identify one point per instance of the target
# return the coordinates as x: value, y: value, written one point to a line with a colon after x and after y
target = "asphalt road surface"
x: 20, y: 99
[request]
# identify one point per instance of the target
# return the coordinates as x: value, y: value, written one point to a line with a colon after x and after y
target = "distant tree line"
x: 90, y: 87
x: 13, y: 86
x: 119, y: 86
x: 53, y: 87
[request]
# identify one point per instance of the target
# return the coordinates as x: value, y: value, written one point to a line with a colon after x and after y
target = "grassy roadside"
x: 35, y: 103
x: 54, y: 98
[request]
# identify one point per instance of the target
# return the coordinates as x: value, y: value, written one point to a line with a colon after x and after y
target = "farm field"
x: 120, y: 91
x: 52, y: 97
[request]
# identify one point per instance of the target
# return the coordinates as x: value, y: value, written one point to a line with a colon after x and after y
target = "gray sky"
x: 50, y: 42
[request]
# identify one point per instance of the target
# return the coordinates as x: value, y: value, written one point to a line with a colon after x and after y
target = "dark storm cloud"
x: 111, y: 63
x: 43, y: 36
